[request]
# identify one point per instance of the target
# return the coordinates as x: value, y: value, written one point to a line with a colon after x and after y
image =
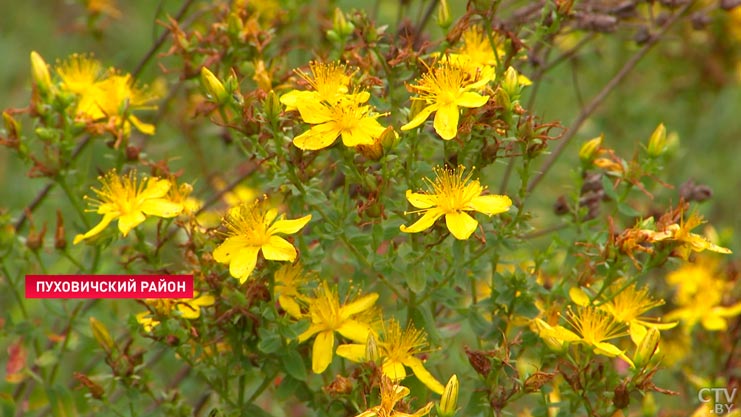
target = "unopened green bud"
x: 389, y: 138
x: 657, y: 142
x: 40, y: 73
x: 271, y: 106
x: 449, y: 400
x: 510, y: 83
x: 234, y: 24
x: 340, y: 25
x: 101, y: 334
x: 214, y: 87
x: 371, y: 349
x: 443, y: 15
x: 589, y: 149
x: 647, y: 347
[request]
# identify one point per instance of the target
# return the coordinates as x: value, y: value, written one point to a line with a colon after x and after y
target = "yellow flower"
x: 443, y: 89
x: 477, y: 48
x: 79, y: 73
x: 124, y: 198
x: 626, y: 305
x: 328, y: 82
x: 252, y: 228
x: 328, y: 316
x: 356, y: 124
x: 452, y: 195
x: 592, y: 327
x: 391, y: 394
x: 105, y: 96
x: 187, y: 308
x: 114, y: 99
x: 700, y: 293
x: 396, y: 350
x: 289, y: 280
x: 692, y: 242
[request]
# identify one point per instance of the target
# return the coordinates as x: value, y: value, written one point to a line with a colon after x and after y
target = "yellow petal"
x: 355, y: 330
x: 289, y: 227
x: 314, y: 112
x: 352, y: 351
x: 603, y: 348
x: 730, y: 311
x: 290, y: 306
x: 279, y: 249
x: 490, y: 204
x: 361, y: 304
x: 226, y: 251
x: 579, y: 297
x: 637, y: 332
x: 425, y: 222
x: 311, y: 331
x: 322, y: 352
x: 471, y: 99
x: 146, y: 128
x: 420, y: 117
x: 446, y: 121
x: 155, y: 188
x: 318, y: 137
x: 460, y: 224
x: 424, y: 375
x: 129, y: 221
x: 243, y: 263
x: 189, y: 311
x: 161, y: 207
x: 713, y: 322
x: 204, y: 300
x: 421, y: 201
x: 104, y: 222
x: 355, y: 137
x: 393, y: 369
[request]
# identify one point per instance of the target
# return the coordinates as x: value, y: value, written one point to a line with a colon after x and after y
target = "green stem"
x: 73, y: 199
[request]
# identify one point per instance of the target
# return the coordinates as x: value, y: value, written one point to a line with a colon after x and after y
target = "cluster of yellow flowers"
x: 103, y: 98
x: 356, y: 320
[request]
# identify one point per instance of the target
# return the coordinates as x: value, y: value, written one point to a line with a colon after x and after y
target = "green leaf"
x: 294, y: 365
x: 269, y: 342
x: 627, y: 210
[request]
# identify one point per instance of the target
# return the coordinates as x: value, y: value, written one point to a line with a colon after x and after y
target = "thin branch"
x: 602, y: 95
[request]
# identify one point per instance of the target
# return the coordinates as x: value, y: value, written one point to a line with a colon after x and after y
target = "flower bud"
x: 340, y: 25
x: 589, y: 149
x: 40, y: 73
x: 60, y: 242
x: 513, y: 83
x: 449, y: 400
x: 213, y: 86
x: 101, y: 335
x: 443, y: 15
x: 647, y: 347
x: 35, y: 240
x: 371, y: 349
x: 234, y: 24
x: 657, y: 142
x: 13, y: 131
x: 272, y: 107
